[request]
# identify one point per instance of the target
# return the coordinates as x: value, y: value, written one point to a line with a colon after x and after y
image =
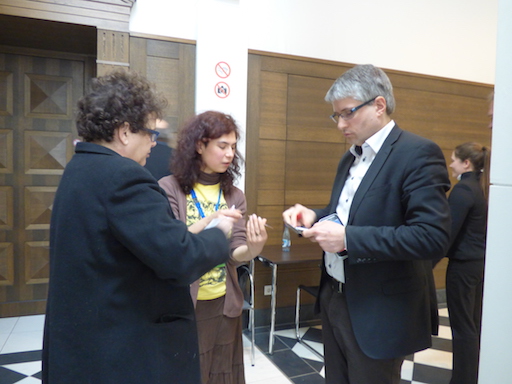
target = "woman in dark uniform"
x: 464, y: 276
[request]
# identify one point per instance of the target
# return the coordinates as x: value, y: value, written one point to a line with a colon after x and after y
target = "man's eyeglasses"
x: 347, y: 114
x: 154, y: 134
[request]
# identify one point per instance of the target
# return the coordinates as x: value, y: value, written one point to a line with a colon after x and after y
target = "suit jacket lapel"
x: 374, y: 170
x: 341, y: 176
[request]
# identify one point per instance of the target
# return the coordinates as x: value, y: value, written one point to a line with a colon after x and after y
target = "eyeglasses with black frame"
x: 348, y: 114
x: 154, y: 134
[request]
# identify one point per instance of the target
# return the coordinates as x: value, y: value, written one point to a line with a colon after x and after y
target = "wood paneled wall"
x: 294, y: 147
x: 171, y: 66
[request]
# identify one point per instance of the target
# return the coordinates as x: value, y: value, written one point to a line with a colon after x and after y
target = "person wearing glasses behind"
x: 119, y: 307
x: 205, y: 165
x: 389, y: 193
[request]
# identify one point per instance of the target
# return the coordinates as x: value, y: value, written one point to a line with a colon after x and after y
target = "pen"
x: 266, y: 225
x: 246, y: 217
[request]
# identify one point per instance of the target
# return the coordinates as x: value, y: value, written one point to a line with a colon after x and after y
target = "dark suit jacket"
x: 399, y: 219
x: 119, y: 307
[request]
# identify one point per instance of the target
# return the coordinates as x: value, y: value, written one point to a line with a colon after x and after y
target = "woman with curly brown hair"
x: 119, y: 308
x: 205, y: 164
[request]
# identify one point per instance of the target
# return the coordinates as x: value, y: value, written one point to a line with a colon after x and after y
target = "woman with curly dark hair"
x: 119, y: 308
x: 205, y: 165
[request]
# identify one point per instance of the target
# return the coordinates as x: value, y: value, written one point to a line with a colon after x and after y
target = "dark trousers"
x: 345, y: 363
x: 464, y: 287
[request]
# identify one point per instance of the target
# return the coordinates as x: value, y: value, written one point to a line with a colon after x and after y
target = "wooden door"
x: 37, y: 100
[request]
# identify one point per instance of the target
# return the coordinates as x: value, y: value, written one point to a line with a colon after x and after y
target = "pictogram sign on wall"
x: 223, y: 70
x: 222, y: 90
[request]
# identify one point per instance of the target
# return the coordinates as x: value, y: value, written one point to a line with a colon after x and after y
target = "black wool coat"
x: 119, y: 307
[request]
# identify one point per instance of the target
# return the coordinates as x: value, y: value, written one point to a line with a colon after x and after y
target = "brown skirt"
x: 220, y: 344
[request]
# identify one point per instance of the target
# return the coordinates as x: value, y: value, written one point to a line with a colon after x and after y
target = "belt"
x: 336, y: 285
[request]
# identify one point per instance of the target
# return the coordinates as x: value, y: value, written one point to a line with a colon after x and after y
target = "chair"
x: 246, y: 281
x: 313, y: 291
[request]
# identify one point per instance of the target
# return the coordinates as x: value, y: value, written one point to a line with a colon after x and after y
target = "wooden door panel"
x: 6, y: 264
x: 6, y: 93
x: 47, y: 153
x: 37, y: 99
x: 6, y: 156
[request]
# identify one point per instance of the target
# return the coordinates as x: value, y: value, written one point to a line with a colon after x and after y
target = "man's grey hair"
x: 363, y: 83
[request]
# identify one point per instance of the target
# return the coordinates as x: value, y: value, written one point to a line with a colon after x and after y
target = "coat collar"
x: 85, y: 147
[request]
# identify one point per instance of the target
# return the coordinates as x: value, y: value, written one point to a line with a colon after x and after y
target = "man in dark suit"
x: 119, y: 308
x: 389, y: 193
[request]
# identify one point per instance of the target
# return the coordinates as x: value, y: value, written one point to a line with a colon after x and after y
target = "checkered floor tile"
x: 303, y: 362
x: 20, y: 367
x: 20, y: 359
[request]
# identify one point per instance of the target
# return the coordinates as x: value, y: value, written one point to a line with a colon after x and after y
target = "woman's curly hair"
x: 116, y: 98
x: 187, y: 162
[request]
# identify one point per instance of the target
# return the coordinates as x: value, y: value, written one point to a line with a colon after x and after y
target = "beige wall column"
x: 495, y: 352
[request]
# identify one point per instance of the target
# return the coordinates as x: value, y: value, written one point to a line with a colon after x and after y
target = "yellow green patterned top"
x: 212, y: 284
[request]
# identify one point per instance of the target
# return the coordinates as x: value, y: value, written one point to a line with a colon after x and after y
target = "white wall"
x: 447, y: 38
x: 221, y: 65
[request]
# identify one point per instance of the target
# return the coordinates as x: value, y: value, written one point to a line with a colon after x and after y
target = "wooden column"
x: 113, y: 51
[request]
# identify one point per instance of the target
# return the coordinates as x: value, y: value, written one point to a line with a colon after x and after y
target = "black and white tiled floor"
x: 20, y: 349
x: 431, y: 366
x: 21, y: 344
x: 291, y: 362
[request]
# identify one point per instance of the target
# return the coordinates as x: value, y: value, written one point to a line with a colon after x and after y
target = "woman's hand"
x: 257, y: 236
